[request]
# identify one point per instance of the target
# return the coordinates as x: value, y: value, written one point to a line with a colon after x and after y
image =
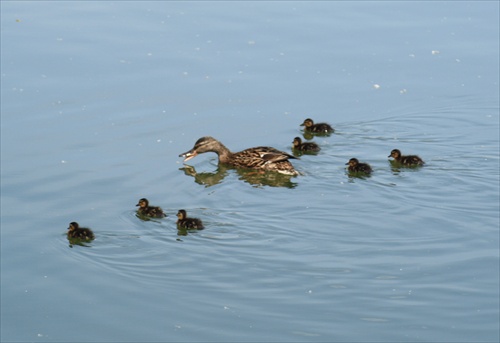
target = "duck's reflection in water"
x: 256, y: 178
x: 397, y: 168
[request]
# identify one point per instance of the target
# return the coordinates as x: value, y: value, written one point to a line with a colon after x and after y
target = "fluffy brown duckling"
x: 184, y: 222
x: 316, y: 128
x: 409, y: 160
x: 75, y: 231
x: 262, y: 157
x: 306, y: 146
x: 149, y: 211
x: 357, y: 167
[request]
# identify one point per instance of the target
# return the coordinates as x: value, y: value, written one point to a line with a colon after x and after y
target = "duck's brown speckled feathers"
x: 316, y: 128
x: 306, y: 146
x: 188, y: 223
x: 409, y: 160
x: 262, y: 157
x: 149, y: 211
x: 75, y: 231
x: 357, y: 167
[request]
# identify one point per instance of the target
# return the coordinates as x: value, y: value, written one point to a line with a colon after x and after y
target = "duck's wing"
x: 366, y: 168
x: 191, y: 224
x: 265, y: 158
x: 197, y: 224
x: 270, y: 154
x: 413, y: 159
x: 156, y: 212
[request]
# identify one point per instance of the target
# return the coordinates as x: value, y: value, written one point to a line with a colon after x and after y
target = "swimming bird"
x: 316, y: 128
x: 356, y: 167
x: 262, y: 157
x: 184, y: 222
x: 306, y: 146
x: 150, y: 211
x: 409, y: 160
x: 75, y: 231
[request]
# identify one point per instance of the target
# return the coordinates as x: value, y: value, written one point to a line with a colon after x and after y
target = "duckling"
x: 184, y: 222
x: 74, y: 231
x: 409, y: 160
x: 262, y: 157
x: 306, y: 146
x: 149, y: 211
x: 356, y: 167
x: 316, y: 128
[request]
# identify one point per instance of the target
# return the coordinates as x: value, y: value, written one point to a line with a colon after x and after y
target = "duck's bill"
x: 188, y: 155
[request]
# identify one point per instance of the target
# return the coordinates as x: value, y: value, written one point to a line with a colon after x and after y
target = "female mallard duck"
x: 409, y: 160
x: 316, y: 128
x: 356, y: 167
x: 184, y: 222
x: 74, y: 231
x: 149, y: 211
x: 262, y: 157
x: 306, y: 146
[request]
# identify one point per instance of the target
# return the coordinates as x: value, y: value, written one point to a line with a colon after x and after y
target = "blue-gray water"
x: 98, y: 99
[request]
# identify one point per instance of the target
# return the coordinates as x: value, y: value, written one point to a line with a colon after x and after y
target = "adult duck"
x: 262, y: 157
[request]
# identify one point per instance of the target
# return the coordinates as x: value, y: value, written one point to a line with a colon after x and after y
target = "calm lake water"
x: 98, y: 99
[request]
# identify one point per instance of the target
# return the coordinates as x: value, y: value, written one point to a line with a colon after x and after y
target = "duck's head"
x: 143, y: 203
x: 297, y: 141
x: 204, y: 144
x: 395, y: 153
x: 352, y: 162
x: 73, y: 226
x: 181, y: 214
x: 307, y: 123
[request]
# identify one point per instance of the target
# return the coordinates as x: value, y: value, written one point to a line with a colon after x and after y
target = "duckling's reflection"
x: 184, y: 232
x: 310, y: 136
x: 254, y: 177
x: 357, y: 176
x: 307, y: 135
x: 78, y: 241
x: 397, y: 167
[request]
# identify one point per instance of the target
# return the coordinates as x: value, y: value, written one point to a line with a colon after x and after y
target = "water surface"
x: 98, y: 99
